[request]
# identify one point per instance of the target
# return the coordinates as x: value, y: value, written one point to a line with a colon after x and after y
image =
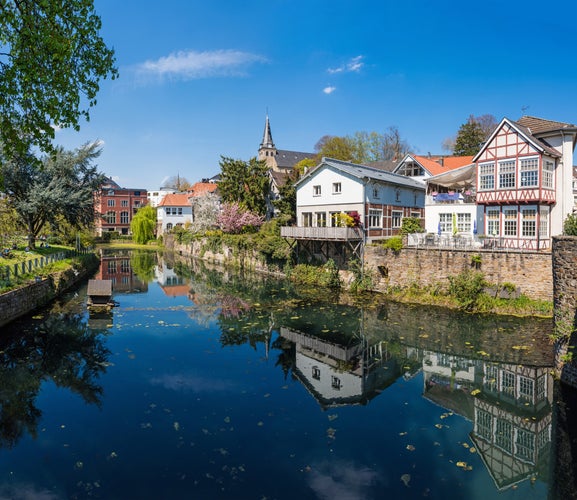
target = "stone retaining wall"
x: 530, y: 271
x: 27, y: 299
x: 565, y: 306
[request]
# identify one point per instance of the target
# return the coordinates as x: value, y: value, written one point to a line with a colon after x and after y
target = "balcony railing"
x: 322, y: 233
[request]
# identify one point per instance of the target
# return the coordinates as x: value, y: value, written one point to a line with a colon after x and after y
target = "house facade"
x: 525, y: 181
x: 116, y: 206
x: 378, y: 199
x: 174, y: 210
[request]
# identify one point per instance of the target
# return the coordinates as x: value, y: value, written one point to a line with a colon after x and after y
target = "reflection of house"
x: 115, y: 207
x: 119, y: 271
x: 341, y: 374
x: 509, y: 404
x: 172, y: 284
x: 524, y: 181
x: 174, y: 210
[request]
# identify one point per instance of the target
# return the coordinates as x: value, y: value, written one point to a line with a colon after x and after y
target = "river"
x: 203, y: 383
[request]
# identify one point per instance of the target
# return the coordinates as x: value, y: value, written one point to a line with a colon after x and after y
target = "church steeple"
x: 267, y: 150
x: 267, y: 141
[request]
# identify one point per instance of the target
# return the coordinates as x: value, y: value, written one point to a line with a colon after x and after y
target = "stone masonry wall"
x: 531, y: 272
x: 565, y: 305
x: 26, y: 299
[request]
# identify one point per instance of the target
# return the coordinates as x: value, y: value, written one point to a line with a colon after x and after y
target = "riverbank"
x: 384, y: 287
x: 45, y: 287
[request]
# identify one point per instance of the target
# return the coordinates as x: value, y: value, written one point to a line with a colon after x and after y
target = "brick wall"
x: 531, y: 272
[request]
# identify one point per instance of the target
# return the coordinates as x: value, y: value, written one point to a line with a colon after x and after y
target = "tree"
x: 286, y: 204
x: 245, y: 183
x: 473, y: 134
x: 177, y: 183
x: 143, y: 224
x: 52, y: 59
x: 62, y: 188
x: 235, y: 219
x: 364, y: 147
x: 469, y: 138
x: 205, y: 209
x: 339, y: 148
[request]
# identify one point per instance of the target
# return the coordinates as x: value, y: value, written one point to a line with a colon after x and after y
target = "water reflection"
x: 214, y: 370
x: 59, y: 348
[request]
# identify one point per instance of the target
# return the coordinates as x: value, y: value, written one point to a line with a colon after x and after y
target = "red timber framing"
x: 516, y: 180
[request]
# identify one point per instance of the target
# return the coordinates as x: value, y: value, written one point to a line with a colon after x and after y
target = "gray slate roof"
x: 364, y: 172
x: 288, y: 159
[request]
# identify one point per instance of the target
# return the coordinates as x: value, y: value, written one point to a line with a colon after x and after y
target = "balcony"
x: 322, y: 233
x: 450, y: 198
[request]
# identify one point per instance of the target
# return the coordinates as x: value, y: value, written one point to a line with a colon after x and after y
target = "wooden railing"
x: 322, y: 233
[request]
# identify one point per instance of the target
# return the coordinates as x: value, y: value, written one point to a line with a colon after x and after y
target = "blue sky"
x: 197, y: 77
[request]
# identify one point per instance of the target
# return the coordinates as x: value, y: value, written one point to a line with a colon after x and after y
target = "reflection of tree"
x: 61, y: 349
x: 142, y: 263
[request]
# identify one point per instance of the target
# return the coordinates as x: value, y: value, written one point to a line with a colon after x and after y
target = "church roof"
x: 288, y: 159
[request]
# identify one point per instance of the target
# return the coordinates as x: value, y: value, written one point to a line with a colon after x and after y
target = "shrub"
x: 570, y: 225
x: 467, y: 287
x: 395, y: 243
x: 411, y: 225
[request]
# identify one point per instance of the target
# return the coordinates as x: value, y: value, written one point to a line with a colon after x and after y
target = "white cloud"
x: 353, y: 66
x: 192, y: 65
x: 329, y: 90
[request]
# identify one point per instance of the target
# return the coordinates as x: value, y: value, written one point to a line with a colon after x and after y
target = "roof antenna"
x: 523, y: 109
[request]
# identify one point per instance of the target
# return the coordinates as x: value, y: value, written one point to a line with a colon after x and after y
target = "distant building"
x: 115, y: 207
x: 174, y: 210
x: 155, y: 197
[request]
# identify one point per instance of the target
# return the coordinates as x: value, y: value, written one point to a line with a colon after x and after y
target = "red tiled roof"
x: 434, y: 167
x: 201, y: 188
x: 175, y: 200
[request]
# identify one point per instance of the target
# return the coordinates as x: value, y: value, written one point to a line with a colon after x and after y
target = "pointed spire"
x: 267, y: 141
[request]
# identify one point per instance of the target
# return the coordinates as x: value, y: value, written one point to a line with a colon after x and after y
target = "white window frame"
x: 529, y: 172
x: 337, y: 188
x: 510, y: 221
x: 464, y: 222
x: 396, y: 219
x: 548, y: 174
x: 528, y: 222
x: 487, y: 176
x: 375, y: 218
x: 321, y: 219
x: 493, y: 217
x: 307, y: 219
x: 507, y: 174
x: 544, y: 212
x: 317, y: 190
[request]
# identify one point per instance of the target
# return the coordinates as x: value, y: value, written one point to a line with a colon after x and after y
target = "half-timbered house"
x: 524, y: 181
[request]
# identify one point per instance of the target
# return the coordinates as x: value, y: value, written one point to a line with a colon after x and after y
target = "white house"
x: 174, y: 210
x: 379, y: 200
x: 155, y: 197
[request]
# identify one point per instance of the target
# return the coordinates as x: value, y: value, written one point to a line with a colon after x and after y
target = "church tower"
x: 267, y: 150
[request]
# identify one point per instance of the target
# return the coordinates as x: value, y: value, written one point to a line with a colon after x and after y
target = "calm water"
x: 205, y: 385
